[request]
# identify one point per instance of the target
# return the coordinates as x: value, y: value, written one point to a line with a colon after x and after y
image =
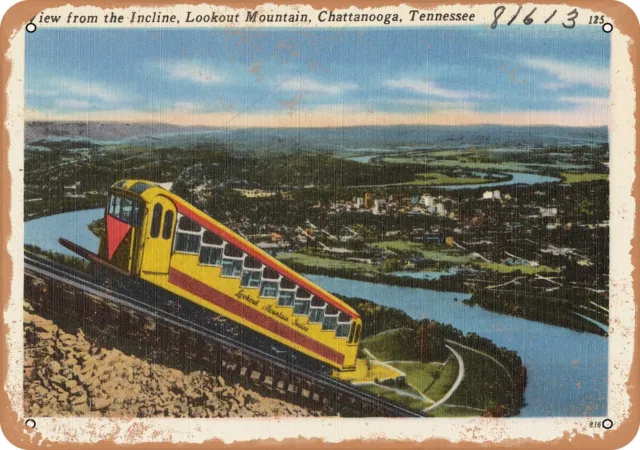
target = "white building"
x: 427, y: 200
x: 491, y: 195
x: 380, y: 206
x: 548, y: 212
x: 440, y: 209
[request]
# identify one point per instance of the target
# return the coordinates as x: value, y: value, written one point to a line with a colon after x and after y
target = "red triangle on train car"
x: 116, y: 231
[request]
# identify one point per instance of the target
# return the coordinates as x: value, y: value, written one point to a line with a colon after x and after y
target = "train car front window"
x: 139, y: 187
x: 125, y: 209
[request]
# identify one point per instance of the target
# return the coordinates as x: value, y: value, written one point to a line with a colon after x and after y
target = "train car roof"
x: 147, y: 190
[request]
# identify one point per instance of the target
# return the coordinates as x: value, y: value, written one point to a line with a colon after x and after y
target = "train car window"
x: 210, y: 256
x: 301, y: 307
x: 344, y: 325
x: 342, y: 330
x: 232, y: 251
x: 251, y: 263
x: 112, y: 204
x: 168, y: 225
x: 187, y: 243
x: 250, y: 278
x: 116, y: 208
x: 139, y: 187
x: 303, y: 293
x: 285, y: 298
x: 269, y: 289
x: 287, y: 284
x: 231, y: 268
x: 332, y: 310
x: 119, y: 184
x: 357, y: 336
x: 317, y: 302
x: 352, y: 333
x: 155, y: 221
x: 187, y: 224
x: 316, y: 315
x: 270, y: 274
x: 126, y: 210
x: 138, y: 211
x: 329, y: 323
x: 212, y: 239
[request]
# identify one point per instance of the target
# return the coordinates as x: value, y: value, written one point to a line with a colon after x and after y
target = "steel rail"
x: 82, y: 282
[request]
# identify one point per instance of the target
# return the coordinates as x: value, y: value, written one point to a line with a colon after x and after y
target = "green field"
x: 453, y: 256
x: 326, y: 263
x: 505, y: 268
x: 458, y: 163
x: 484, y: 381
x: 439, y: 179
x: 392, y: 345
x: 583, y: 177
x: 431, y: 379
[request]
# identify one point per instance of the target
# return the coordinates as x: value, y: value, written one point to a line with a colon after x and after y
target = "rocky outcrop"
x: 67, y: 375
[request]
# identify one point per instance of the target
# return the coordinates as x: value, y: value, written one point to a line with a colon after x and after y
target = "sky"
x: 521, y: 75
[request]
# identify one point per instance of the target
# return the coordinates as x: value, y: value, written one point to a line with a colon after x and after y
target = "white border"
x: 621, y: 341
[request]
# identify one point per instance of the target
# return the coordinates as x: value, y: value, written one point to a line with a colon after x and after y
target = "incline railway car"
x: 157, y: 236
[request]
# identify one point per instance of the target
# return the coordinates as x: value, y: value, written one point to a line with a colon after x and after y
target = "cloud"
x: 42, y: 92
x: 186, y: 106
x: 74, y: 104
x: 432, y: 89
x: 569, y: 74
x: 432, y: 104
x: 193, y: 71
x: 91, y: 89
x: 336, y: 116
x: 586, y: 101
x: 311, y: 86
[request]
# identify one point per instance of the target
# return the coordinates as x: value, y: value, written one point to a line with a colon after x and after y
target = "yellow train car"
x: 157, y: 236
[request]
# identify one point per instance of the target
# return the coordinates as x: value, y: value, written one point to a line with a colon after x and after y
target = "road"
x: 456, y: 384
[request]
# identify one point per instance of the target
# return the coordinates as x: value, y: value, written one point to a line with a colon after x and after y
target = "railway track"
x: 170, y: 333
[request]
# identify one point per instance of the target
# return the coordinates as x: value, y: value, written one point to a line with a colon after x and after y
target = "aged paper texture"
x: 319, y: 223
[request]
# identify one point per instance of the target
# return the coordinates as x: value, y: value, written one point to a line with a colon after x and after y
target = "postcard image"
x: 319, y: 223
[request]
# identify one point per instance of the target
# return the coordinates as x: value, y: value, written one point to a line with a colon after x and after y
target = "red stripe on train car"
x: 232, y: 305
x: 209, y: 223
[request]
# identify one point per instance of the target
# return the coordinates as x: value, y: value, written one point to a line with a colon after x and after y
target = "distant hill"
x: 352, y: 139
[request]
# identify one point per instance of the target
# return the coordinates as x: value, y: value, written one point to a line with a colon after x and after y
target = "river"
x: 517, y: 178
x: 567, y: 370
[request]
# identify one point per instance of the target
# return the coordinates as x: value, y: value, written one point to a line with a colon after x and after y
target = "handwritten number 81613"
x: 570, y: 21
